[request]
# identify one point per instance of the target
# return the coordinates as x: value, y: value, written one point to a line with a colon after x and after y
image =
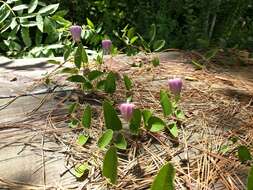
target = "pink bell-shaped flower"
x: 76, y: 31
x: 106, y: 45
x: 126, y: 110
x: 175, y: 86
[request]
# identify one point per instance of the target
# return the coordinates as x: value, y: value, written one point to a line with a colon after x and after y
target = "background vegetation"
x: 184, y: 24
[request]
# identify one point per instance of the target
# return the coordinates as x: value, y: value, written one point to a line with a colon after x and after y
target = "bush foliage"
x: 182, y: 23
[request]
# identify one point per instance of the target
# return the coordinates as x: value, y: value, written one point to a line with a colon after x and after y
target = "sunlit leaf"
x: 39, y: 21
x: 165, y: 178
x: 50, y: 9
x: 80, y: 169
x: 105, y: 139
x: 120, y: 142
x: 90, y: 23
x: 32, y: 6
x: 173, y: 129
x: 20, y: 7
x: 82, y: 139
x: 110, y: 165
x: 155, y: 124
x: 146, y: 114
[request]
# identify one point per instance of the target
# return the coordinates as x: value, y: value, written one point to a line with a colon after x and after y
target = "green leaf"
x: 128, y: 82
x: 67, y: 52
x: 158, y: 45
x: 110, y: 165
x: 112, y: 120
x: 130, y: 33
x: 62, y: 21
x: 135, y: 122
x: 146, y: 114
x: 110, y: 83
x: 73, y: 123
x: 78, y: 56
x: 105, y: 139
x: 152, y: 33
x: 39, y: 21
x: 4, y: 13
x: 180, y: 114
x: 120, y: 142
x: 82, y: 139
x: 77, y: 78
x: 50, y: 9
x: 250, y: 179
x: 26, y: 37
x: 32, y: 6
x: 165, y: 178
x: 86, y: 119
x: 155, y: 124
x: 173, y: 129
x: 244, y: 153
x: 90, y: 23
x: 72, y: 108
x: 38, y: 38
x: 80, y: 169
x: 166, y: 103
x: 92, y: 75
x: 69, y: 70
x: 29, y: 24
x: 20, y: 7
x: 48, y: 27
x: 133, y: 39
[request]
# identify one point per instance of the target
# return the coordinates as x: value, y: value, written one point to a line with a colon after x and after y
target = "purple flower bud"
x: 175, y: 86
x: 126, y: 110
x: 76, y: 32
x: 106, y: 45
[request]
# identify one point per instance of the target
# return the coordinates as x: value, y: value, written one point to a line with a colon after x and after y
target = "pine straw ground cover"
x: 217, y: 102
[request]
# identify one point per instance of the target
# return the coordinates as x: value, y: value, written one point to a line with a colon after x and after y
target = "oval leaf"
x: 82, y: 139
x: 50, y: 9
x: 155, y: 124
x: 166, y: 103
x: 26, y: 37
x: 158, y: 45
x: 105, y: 139
x: 80, y: 169
x: 39, y: 21
x: 112, y: 120
x: 32, y: 6
x: 146, y: 114
x: 77, y: 78
x: 135, y: 122
x: 94, y: 74
x: 120, y: 142
x: 110, y: 83
x: 165, y: 178
x: 86, y: 119
x: 110, y: 165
